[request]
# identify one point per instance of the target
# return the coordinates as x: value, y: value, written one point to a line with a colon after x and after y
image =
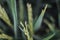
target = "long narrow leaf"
x: 49, y: 37
x: 37, y: 25
x: 51, y: 27
x: 12, y: 5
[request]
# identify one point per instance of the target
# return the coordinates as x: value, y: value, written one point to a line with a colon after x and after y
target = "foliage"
x: 28, y: 27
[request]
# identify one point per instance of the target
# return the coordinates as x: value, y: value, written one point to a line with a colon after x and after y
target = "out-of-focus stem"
x: 58, y: 6
x: 21, y: 8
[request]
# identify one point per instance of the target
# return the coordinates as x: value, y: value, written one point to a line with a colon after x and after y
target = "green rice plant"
x: 28, y: 28
x: 29, y: 25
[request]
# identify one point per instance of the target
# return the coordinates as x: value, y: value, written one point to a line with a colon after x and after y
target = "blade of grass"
x: 51, y: 27
x: 12, y: 5
x: 49, y: 37
x: 38, y: 23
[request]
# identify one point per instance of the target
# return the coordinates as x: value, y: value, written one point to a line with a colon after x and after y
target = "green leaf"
x: 51, y: 26
x: 38, y: 23
x: 12, y: 5
x: 49, y: 37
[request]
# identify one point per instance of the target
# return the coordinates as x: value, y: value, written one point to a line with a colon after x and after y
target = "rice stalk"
x: 30, y: 18
x: 4, y: 16
x: 26, y: 31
